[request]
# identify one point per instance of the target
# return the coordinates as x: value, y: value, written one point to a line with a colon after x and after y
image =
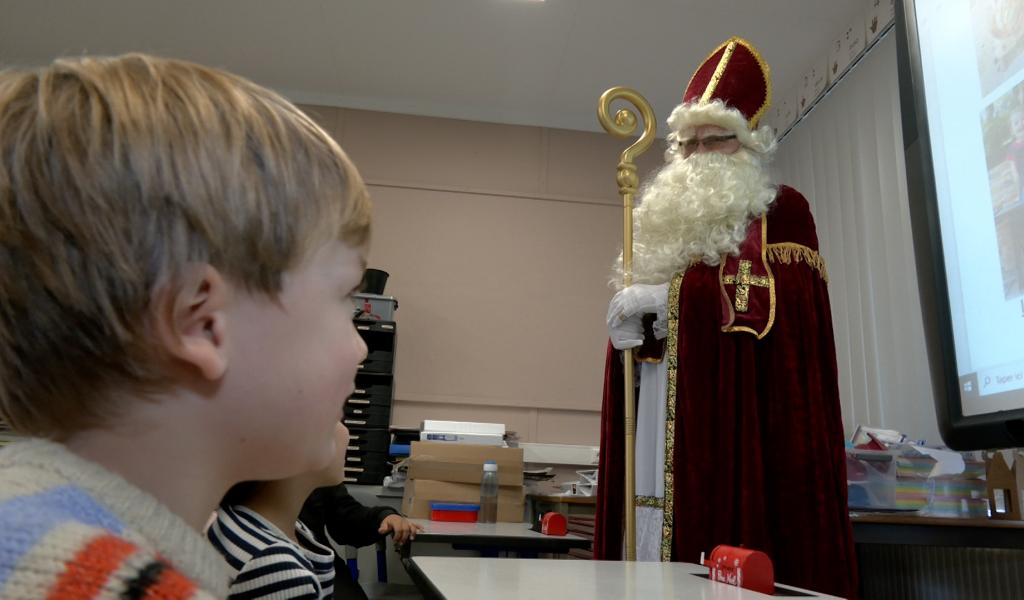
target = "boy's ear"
x: 191, y: 320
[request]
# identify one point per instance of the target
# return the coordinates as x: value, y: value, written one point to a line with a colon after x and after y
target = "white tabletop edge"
x: 500, y: 578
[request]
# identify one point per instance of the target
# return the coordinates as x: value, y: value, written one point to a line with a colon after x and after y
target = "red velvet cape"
x: 758, y: 457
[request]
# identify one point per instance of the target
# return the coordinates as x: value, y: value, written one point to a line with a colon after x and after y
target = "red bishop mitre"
x: 736, y: 75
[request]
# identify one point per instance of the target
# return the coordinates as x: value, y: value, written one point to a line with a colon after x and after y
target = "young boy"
x: 270, y: 552
x: 177, y: 250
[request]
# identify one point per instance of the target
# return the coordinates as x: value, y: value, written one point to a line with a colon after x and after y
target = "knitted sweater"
x: 72, y: 529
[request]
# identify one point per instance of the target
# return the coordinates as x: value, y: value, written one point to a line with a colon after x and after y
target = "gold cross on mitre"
x: 743, y: 280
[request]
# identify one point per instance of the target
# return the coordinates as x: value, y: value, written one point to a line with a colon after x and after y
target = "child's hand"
x: 403, y: 528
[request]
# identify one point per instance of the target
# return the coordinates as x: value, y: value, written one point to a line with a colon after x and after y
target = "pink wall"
x: 499, y: 240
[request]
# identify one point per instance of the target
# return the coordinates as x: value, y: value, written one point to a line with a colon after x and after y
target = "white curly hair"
x: 698, y: 208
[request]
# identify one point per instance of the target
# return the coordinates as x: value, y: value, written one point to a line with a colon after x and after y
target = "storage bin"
x: 375, y: 307
x: 456, y: 512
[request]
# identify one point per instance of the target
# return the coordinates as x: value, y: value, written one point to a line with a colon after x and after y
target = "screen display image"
x: 964, y: 60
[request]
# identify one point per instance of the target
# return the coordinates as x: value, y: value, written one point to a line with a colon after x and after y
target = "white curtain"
x: 846, y: 156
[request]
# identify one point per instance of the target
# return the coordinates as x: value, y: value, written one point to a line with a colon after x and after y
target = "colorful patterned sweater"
x: 71, y: 529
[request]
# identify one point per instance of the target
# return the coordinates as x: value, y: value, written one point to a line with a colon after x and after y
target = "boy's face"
x: 292, y: 364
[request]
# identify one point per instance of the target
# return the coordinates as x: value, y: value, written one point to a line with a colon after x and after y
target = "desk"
x: 904, y: 556
x: 911, y: 529
x: 570, y: 506
x: 457, y: 578
x: 494, y: 536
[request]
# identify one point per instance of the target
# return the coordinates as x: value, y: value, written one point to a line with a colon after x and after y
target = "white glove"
x: 626, y: 310
x: 628, y: 333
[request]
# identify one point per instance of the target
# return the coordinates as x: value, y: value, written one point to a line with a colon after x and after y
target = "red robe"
x: 757, y: 454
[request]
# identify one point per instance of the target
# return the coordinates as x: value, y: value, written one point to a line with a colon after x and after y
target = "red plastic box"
x: 741, y: 567
x: 553, y: 523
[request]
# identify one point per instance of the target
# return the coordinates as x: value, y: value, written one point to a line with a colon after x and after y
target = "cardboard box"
x: 464, y: 463
x: 419, y: 493
x: 1005, y: 479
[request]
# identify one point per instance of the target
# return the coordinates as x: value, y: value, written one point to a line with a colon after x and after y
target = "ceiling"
x: 523, y: 62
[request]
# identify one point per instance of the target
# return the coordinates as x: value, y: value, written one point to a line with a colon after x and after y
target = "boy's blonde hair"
x: 115, y: 174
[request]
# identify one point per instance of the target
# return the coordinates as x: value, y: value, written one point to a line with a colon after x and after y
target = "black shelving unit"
x: 368, y: 410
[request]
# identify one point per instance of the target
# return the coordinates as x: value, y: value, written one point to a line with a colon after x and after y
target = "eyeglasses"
x: 712, y: 143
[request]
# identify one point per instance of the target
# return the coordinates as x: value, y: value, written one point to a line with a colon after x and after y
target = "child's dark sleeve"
x: 348, y: 522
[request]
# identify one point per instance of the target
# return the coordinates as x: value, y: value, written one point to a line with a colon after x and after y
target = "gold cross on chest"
x: 743, y: 280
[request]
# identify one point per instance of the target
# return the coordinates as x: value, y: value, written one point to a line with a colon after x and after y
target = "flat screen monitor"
x: 961, y: 71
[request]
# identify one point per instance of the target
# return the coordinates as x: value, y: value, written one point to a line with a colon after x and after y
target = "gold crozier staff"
x: 623, y: 124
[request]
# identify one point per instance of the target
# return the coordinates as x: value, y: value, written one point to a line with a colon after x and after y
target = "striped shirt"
x: 265, y: 563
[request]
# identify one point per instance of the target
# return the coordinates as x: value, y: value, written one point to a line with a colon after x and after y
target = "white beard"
x: 696, y: 209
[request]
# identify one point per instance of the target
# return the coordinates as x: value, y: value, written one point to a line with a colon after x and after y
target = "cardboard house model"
x: 1005, y: 486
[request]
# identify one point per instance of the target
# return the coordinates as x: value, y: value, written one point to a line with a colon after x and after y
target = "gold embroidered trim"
x: 771, y: 290
x: 743, y: 280
x: 672, y: 356
x: 649, y: 501
x: 766, y: 74
x: 788, y: 252
x: 719, y: 71
x: 706, y: 59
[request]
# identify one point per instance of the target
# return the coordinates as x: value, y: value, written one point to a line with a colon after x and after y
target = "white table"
x: 458, y: 578
x: 496, y: 536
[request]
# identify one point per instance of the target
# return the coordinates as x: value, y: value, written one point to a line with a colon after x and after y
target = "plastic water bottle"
x: 489, y: 493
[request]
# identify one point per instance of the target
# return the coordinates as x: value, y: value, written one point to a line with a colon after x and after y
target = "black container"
x: 369, y: 440
x: 378, y: 361
x: 372, y: 386
x: 374, y: 281
x: 368, y: 417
